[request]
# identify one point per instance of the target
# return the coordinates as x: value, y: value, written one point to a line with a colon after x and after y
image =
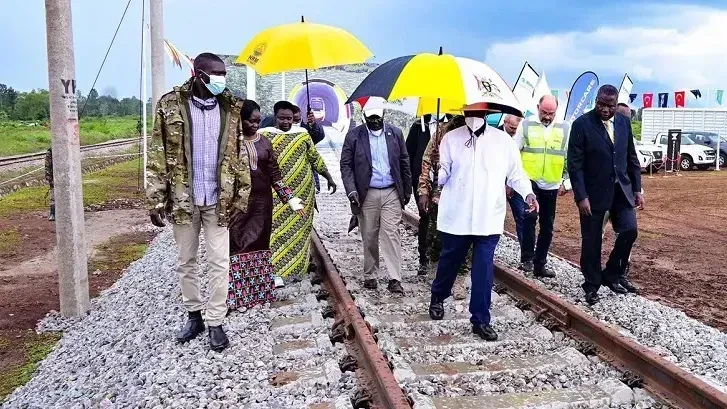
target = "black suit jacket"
x: 356, y: 167
x: 595, y: 163
x: 416, y: 144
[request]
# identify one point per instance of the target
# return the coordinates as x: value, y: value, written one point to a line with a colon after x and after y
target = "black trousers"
x: 623, y: 219
x: 422, y: 232
x: 529, y: 251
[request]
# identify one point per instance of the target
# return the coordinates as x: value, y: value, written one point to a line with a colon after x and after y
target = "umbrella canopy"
x: 302, y: 46
x: 455, y: 81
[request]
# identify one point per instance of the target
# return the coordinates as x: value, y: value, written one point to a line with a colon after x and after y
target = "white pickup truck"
x: 691, y: 153
x: 650, y: 156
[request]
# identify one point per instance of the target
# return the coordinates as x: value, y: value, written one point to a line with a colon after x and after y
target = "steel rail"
x: 30, y: 157
x: 661, y: 377
x: 382, y: 385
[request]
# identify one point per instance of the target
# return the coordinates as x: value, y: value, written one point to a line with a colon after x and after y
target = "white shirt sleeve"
x: 519, y: 137
x: 445, y: 162
x: 516, y: 176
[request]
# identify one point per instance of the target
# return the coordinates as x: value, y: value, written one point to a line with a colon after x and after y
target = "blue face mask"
x: 217, y: 84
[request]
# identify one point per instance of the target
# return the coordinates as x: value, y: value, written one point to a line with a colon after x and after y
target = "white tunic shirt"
x: 473, y: 200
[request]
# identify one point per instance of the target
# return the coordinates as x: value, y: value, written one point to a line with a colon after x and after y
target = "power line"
x: 83, y: 109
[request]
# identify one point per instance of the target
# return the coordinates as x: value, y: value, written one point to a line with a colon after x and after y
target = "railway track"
x: 550, y: 353
x: 33, y: 157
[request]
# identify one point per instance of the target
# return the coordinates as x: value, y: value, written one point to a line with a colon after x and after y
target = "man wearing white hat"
x: 377, y: 178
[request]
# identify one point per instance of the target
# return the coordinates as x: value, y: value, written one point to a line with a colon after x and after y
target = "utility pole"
x: 156, y: 23
x: 70, y: 229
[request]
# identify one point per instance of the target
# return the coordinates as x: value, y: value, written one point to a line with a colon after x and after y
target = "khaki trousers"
x: 217, y: 240
x: 379, y: 222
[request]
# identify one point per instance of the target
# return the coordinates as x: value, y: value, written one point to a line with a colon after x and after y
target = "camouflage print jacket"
x: 169, y: 171
x: 430, y: 160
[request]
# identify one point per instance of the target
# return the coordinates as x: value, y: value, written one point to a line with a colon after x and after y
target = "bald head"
x: 547, y: 107
x: 511, y: 123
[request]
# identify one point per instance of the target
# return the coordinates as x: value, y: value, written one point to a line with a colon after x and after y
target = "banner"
x: 663, y: 100
x: 679, y: 97
x: 582, y: 93
x: 648, y: 100
x: 541, y: 89
x: 523, y: 90
x: 673, y: 149
x: 718, y: 96
x: 626, y: 86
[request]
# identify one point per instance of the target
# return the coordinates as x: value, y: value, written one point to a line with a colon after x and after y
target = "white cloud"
x: 679, y: 46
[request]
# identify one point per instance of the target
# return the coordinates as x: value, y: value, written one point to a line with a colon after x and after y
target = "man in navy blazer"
x: 606, y: 177
x: 377, y: 177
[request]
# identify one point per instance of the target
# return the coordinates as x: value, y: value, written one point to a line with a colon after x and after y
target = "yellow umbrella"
x: 302, y: 46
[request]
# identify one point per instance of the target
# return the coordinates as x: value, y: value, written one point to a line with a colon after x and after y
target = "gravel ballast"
x: 123, y: 353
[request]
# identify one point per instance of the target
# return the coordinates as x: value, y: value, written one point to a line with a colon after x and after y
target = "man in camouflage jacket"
x: 197, y: 173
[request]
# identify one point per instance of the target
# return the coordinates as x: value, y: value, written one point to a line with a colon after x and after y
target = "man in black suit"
x: 377, y: 176
x: 606, y: 176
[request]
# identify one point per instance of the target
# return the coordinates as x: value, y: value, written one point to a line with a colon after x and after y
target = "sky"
x: 665, y: 46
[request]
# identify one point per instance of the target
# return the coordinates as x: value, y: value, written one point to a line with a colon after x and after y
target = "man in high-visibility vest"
x: 543, y: 144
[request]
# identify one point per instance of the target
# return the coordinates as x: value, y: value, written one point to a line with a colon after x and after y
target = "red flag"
x: 679, y: 99
x: 647, y: 100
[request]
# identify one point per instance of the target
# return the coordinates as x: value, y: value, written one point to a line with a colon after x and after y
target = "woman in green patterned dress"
x: 298, y: 158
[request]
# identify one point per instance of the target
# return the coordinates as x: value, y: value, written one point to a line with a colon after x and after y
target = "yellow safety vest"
x: 544, y: 160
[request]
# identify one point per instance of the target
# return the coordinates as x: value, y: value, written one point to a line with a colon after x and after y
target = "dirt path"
x: 29, y: 289
x: 680, y: 257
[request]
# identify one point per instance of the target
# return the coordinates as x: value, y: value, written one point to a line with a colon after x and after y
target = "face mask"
x: 374, y: 123
x: 297, y: 123
x: 217, y: 83
x: 474, y: 123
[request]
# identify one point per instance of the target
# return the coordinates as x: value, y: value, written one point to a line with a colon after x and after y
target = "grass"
x: 35, y: 349
x: 118, y: 252
x: 17, y: 137
x: 114, y: 182
x: 9, y: 241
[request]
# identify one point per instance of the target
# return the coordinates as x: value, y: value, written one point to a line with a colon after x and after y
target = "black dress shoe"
x: 436, y: 309
x: 616, y: 288
x: 592, y: 297
x: 395, y: 287
x: 370, y: 284
x: 218, y: 339
x: 485, y: 332
x: 628, y: 285
x: 527, y: 266
x: 543, y: 272
x: 193, y: 327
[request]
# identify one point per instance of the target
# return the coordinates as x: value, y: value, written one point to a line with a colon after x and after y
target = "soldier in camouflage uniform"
x: 428, y: 189
x: 196, y: 176
x: 49, y: 178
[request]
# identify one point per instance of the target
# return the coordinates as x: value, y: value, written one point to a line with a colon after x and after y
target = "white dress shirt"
x: 473, y: 200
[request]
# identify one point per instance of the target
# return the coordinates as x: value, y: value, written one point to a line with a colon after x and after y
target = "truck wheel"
x: 722, y: 159
x: 686, y: 162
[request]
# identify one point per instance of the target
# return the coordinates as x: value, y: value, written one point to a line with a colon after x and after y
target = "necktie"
x: 609, y: 129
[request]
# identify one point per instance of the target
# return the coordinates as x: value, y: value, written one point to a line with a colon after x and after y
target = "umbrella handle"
x: 307, y: 91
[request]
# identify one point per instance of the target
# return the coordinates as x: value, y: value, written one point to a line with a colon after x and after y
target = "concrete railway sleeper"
x: 549, y: 354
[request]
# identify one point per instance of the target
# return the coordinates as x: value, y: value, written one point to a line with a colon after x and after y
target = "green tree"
x: 8, y: 98
x: 32, y: 106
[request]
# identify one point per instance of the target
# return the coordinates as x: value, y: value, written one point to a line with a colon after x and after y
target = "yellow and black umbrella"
x: 442, y: 82
x: 302, y: 46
